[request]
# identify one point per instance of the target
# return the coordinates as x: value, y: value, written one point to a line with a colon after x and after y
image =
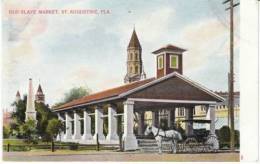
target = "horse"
x: 159, y: 134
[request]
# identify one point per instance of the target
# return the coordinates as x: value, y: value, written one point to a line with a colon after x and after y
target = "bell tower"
x: 135, y: 69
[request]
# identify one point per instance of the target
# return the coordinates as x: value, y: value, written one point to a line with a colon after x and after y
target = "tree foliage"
x: 29, y: 131
x: 44, y: 114
x: 19, y: 114
x: 6, y: 131
x: 74, y: 93
x: 224, y: 134
x: 55, y: 127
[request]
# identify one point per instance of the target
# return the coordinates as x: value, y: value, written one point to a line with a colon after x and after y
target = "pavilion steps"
x: 150, y: 146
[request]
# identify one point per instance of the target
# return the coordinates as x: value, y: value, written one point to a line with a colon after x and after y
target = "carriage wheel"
x: 212, y: 140
x: 191, y: 144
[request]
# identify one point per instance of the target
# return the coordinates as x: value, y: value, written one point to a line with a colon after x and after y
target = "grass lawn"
x: 13, y: 141
x: 22, y: 142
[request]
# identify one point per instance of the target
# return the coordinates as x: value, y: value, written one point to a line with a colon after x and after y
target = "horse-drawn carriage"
x: 199, y: 141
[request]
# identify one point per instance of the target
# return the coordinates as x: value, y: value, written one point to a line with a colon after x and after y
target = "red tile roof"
x: 104, y: 94
x: 169, y: 47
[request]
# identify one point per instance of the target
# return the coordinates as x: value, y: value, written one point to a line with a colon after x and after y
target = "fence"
x: 65, y: 146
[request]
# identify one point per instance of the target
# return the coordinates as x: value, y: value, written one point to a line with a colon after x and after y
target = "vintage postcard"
x: 129, y: 81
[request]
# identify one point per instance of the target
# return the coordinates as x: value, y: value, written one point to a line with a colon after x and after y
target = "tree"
x: 29, y: 131
x: 20, y: 107
x: 6, y: 131
x: 18, y: 116
x: 74, y: 93
x: 44, y: 114
x: 54, y: 128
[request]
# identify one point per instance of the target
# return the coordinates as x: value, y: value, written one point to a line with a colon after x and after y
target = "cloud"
x: 203, y: 39
x: 84, y: 76
x: 151, y: 26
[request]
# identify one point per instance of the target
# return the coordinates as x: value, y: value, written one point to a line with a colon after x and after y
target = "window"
x: 136, y: 56
x: 174, y: 61
x: 160, y: 62
x: 131, y: 56
x: 136, y: 69
x: 180, y: 112
x: 131, y: 69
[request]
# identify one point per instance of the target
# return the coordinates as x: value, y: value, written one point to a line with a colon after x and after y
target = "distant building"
x: 221, y: 111
x: 39, y: 97
x: 7, y: 119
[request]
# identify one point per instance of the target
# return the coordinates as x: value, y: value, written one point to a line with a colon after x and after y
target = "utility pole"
x: 231, y: 74
x: 228, y: 117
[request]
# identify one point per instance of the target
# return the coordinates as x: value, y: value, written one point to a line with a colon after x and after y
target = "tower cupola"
x: 169, y: 59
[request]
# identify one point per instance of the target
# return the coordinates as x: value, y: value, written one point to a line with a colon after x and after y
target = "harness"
x: 157, y: 134
x: 163, y: 136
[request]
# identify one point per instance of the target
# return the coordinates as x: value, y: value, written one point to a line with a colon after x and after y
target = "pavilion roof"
x: 113, y: 92
x: 169, y: 47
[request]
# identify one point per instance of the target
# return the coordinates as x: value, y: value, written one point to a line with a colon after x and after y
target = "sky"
x: 65, y: 51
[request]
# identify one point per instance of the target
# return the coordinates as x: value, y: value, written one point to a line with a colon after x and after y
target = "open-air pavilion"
x: 168, y: 92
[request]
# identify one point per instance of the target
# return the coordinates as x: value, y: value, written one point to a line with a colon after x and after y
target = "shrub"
x: 224, y: 136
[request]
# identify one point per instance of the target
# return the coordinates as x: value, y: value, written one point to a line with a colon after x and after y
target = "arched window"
x: 136, y: 69
x: 131, y: 56
x: 136, y: 56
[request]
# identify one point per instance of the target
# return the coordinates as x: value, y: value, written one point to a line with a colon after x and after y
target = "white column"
x: 212, y: 141
x: 130, y: 142
x: 68, y: 126
x: 112, y: 123
x: 87, y: 126
x: 61, y: 135
x: 77, y: 129
x: 99, y: 124
x: 212, y: 118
